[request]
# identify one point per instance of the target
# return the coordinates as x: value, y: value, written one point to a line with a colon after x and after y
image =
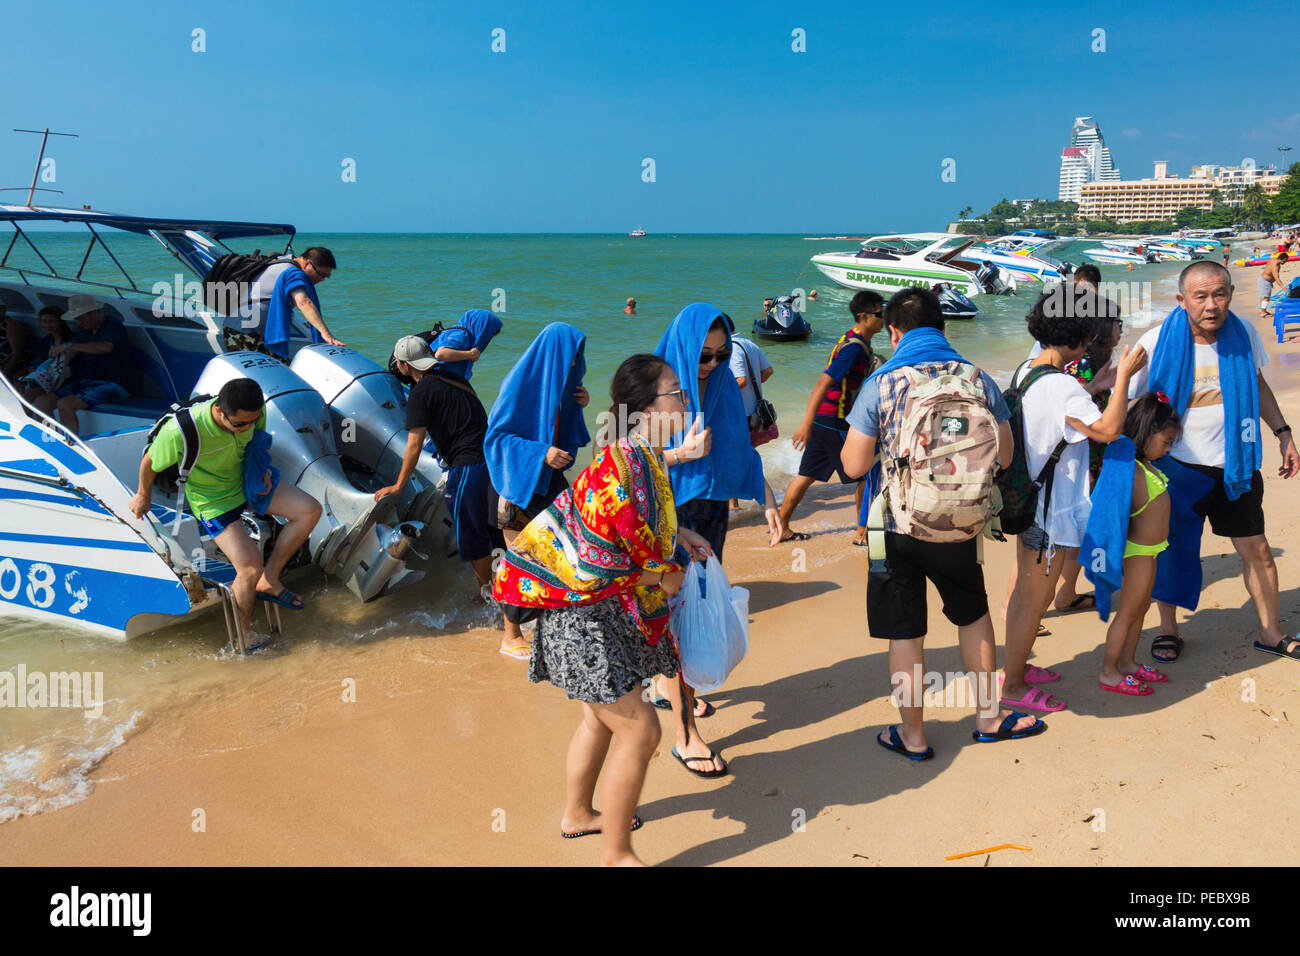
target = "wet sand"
x: 449, y: 756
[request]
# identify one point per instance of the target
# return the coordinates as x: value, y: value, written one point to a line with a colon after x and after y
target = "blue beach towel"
x: 279, y: 311
x: 535, y: 393
x: 918, y: 347
x: 476, y: 329
x: 1178, y: 567
x: 1171, y: 372
x: 733, y: 468
x: 257, y: 462
x: 1102, y: 551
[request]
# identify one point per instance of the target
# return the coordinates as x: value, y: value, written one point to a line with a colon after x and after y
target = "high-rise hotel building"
x: 1085, y: 160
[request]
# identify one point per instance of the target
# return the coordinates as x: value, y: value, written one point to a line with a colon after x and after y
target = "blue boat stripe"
x: 75, y: 542
x: 75, y: 501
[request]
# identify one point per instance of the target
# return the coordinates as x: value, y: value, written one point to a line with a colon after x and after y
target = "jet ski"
x: 782, y: 321
x: 954, y: 304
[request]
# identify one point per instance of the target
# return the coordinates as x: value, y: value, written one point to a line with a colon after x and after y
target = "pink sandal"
x: 1149, y: 675
x: 1129, y: 685
x: 1035, y: 699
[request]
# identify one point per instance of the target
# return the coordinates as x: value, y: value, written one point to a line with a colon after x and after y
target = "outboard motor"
x: 357, y: 539
x: 992, y: 279
x: 367, y: 409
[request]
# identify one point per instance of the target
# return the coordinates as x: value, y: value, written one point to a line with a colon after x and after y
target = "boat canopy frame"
x: 195, y: 243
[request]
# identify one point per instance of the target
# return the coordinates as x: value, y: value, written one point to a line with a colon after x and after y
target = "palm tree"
x: 1216, y: 198
x: 1254, y: 203
x: 966, y: 211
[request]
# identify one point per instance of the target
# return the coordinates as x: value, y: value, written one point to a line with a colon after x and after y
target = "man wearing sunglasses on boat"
x: 215, y: 490
x: 265, y: 325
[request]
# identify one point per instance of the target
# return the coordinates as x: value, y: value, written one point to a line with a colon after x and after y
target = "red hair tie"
x: 1162, y: 398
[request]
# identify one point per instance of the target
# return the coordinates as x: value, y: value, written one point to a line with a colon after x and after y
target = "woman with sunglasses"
x: 598, y: 564
x: 698, y: 346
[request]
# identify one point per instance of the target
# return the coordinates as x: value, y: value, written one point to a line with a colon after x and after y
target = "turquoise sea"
x: 389, y: 285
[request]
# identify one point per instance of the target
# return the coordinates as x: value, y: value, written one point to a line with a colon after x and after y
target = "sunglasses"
x: 721, y: 355
x: 235, y: 423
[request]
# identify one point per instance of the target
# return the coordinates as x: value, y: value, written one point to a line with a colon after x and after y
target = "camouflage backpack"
x: 939, y: 472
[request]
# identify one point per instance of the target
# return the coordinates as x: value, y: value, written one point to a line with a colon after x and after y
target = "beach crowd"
x: 1099, y: 461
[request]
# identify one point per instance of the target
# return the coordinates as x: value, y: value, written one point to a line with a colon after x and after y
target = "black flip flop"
x: 1078, y: 605
x: 702, y: 773
x: 663, y: 703
x: 1276, y: 649
x: 1169, y: 642
x: 897, y: 746
x: 636, y: 825
x: 796, y: 536
x: 1004, y: 731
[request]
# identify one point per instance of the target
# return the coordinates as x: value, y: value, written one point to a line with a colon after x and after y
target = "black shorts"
x: 896, y: 608
x: 1243, y: 518
x: 466, y: 496
x: 821, y: 456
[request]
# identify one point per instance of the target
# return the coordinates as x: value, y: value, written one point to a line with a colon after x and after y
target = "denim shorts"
x: 94, y: 392
x: 1034, y: 538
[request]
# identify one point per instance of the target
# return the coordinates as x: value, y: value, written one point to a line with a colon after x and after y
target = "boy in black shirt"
x: 445, y: 407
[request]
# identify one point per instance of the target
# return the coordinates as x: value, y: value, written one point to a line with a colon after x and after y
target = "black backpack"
x: 1018, y: 489
x: 428, y: 336
x: 234, y: 271
x: 171, y: 480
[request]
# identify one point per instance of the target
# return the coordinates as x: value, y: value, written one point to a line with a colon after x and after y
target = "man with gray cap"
x: 445, y: 407
x: 101, y: 367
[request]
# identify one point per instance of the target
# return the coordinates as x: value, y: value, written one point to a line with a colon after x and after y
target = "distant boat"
x: 638, y: 231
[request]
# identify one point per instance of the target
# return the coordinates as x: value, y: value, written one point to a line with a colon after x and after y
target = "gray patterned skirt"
x: 596, y: 653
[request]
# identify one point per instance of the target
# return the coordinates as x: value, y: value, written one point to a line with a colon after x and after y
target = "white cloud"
x: 1132, y: 132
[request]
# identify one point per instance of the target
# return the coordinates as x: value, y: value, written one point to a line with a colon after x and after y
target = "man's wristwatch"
x: 1279, y: 432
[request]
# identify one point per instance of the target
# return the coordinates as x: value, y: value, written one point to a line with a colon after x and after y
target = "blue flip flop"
x: 285, y: 599
x: 1004, y: 731
x: 897, y: 746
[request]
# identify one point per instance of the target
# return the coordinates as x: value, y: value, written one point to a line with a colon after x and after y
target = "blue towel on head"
x: 733, y: 468
x: 1178, y: 567
x: 1172, y: 366
x: 476, y: 329
x: 1102, y: 551
x: 536, y: 393
x: 279, y: 311
x: 917, y: 347
x: 257, y: 462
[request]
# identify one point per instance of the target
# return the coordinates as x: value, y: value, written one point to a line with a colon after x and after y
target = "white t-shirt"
x: 1202, y: 440
x: 757, y: 361
x: 1046, y: 405
x: 258, y: 300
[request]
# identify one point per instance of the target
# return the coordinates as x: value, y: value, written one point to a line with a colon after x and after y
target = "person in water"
x: 534, y: 431
x: 711, y: 463
x: 630, y: 308
x: 602, y: 627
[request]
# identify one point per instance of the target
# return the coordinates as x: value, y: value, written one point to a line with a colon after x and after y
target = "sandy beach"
x: 447, y: 755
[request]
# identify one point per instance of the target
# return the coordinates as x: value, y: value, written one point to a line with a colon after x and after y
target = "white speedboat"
x: 886, y: 264
x: 1120, y: 252
x: 70, y: 549
x: 1026, y: 258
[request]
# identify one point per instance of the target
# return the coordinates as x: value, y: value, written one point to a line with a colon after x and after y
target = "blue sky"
x: 550, y: 136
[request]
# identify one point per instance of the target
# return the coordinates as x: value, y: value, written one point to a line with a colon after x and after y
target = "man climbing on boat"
x: 216, y: 491
x: 282, y: 287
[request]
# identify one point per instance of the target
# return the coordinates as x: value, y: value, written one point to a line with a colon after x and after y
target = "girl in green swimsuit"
x: 1153, y: 426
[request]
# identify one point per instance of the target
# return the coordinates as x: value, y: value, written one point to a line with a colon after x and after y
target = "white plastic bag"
x: 711, y: 621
